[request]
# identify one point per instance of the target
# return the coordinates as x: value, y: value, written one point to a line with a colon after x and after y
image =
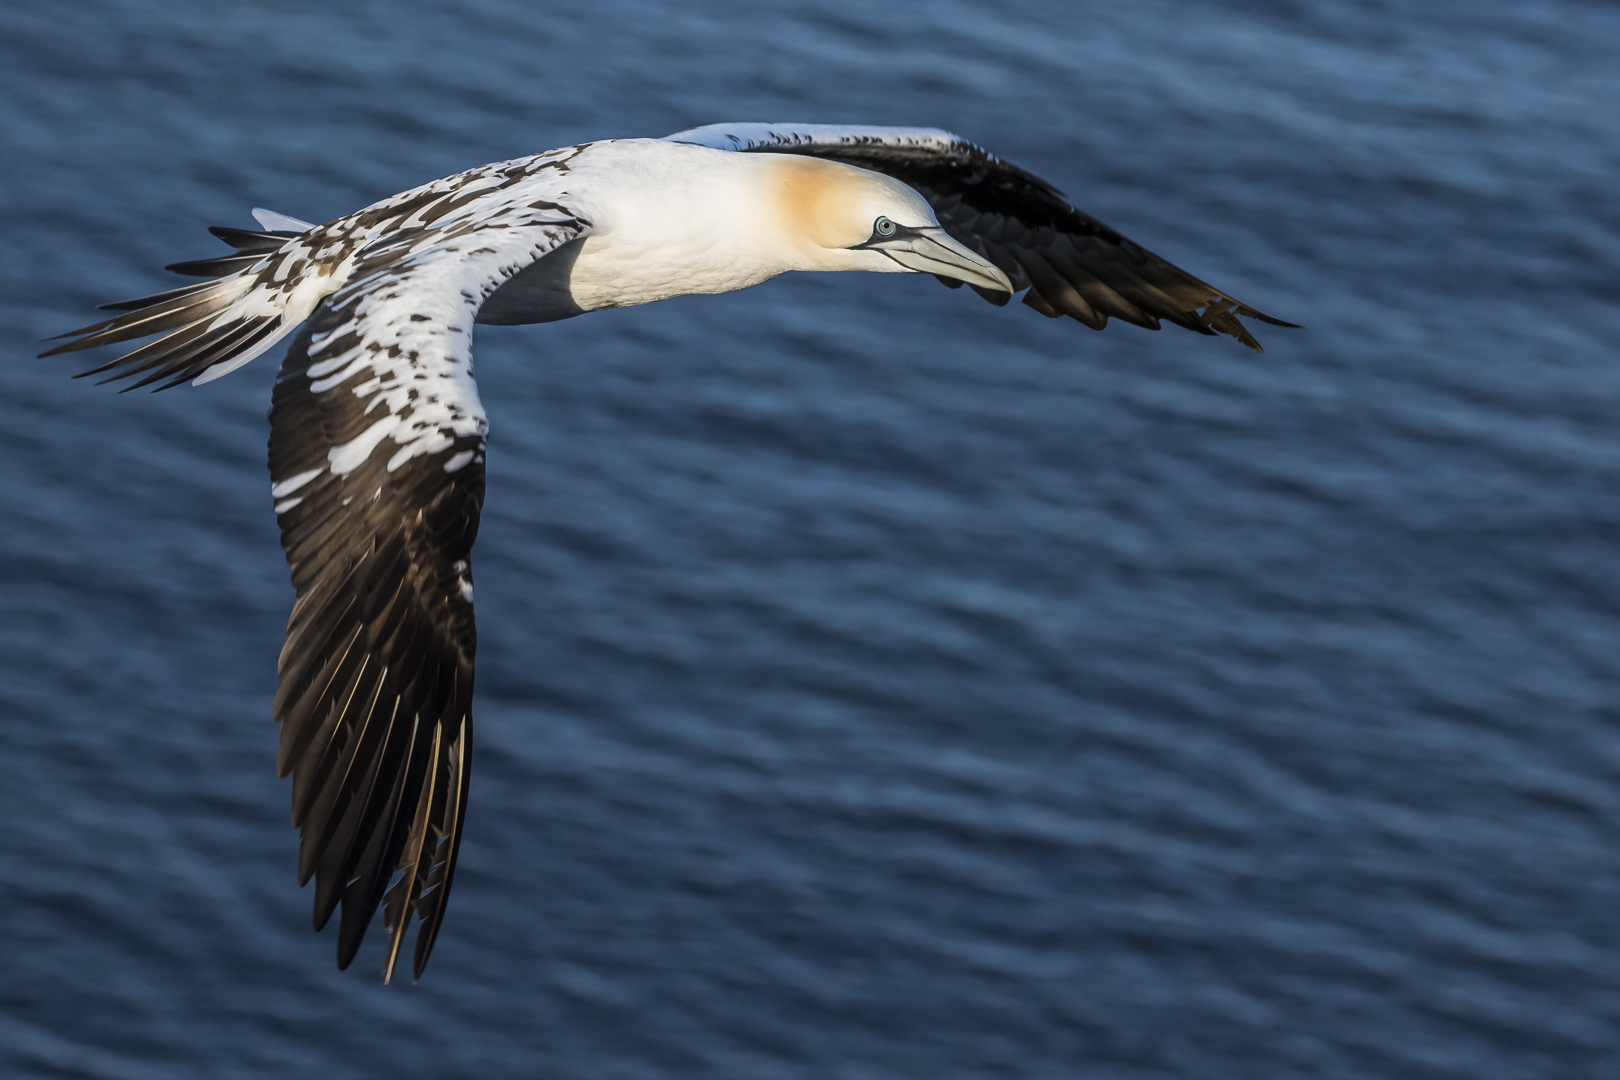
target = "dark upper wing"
x: 1071, y: 263
x: 377, y: 458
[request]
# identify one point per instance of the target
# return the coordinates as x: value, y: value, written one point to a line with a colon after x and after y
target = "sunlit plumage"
x: 377, y: 433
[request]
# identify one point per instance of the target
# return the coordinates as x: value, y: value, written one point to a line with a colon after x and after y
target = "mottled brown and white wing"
x: 377, y: 466
x: 377, y: 460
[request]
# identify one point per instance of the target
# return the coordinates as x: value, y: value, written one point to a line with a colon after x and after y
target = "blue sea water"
x: 872, y: 683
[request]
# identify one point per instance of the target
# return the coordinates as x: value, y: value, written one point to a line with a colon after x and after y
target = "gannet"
x: 377, y: 436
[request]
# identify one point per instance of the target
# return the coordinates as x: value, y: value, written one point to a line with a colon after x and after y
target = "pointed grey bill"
x: 932, y: 251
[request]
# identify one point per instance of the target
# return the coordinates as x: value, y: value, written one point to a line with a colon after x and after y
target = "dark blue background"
x: 872, y: 683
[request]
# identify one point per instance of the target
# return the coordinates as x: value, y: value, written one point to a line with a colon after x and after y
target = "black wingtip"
x: 1252, y: 313
x: 1269, y: 320
x: 213, y: 268
x: 80, y: 332
x: 253, y: 239
x: 156, y: 298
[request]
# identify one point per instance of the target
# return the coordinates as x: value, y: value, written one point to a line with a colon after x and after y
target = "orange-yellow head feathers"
x: 831, y: 205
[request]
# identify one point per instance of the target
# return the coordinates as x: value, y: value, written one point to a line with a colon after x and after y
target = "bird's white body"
x: 673, y: 219
x: 662, y: 225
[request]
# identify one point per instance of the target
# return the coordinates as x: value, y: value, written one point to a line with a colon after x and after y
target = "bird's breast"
x: 606, y: 271
x: 615, y: 270
x: 665, y: 221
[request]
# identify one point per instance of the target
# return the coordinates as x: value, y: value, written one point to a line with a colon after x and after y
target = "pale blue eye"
x: 883, y: 227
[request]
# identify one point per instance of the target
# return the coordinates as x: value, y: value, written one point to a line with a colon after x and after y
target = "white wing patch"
x: 404, y: 348
x: 292, y: 484
x: 275, y: 222
x: 409, y: 277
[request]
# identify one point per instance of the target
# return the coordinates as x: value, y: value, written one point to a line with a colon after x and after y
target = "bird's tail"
x: 256, y: 296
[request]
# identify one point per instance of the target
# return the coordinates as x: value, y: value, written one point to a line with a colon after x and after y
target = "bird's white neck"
x: 667, y: 219
x: 670, y: 220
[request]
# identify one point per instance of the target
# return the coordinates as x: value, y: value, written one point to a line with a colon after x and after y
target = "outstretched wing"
x: 1071, y: 263
x: 377, y: 461
x: 377, y: 466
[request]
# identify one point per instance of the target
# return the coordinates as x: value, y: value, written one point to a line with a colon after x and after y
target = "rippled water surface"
x: 873, y: 683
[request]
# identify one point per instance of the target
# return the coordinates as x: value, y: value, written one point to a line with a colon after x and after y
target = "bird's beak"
x: 931, y: 251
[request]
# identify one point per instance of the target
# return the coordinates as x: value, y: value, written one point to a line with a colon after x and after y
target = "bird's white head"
x: 839, y: 217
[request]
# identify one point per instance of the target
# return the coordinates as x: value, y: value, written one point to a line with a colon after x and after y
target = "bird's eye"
x: 883, y: 227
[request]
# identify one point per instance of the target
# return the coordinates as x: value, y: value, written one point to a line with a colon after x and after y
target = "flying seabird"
x: 377, y: 435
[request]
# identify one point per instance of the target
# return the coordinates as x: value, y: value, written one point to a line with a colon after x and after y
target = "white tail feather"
x: 274, y: 222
